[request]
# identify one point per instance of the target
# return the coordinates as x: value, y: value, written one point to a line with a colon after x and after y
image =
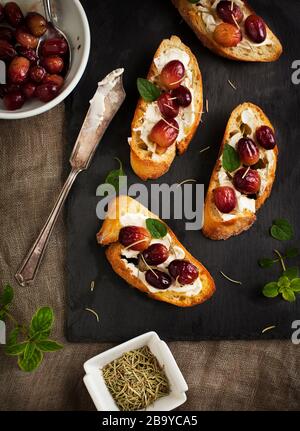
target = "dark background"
x: 126, y: 34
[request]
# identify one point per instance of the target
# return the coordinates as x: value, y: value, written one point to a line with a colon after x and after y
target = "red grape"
x: 57, y: 46
x: 230, y: 12
x: 158, y: 279
x: 7, y: 51
x: 183, y: 271
x: 227, y: 35
x: 46, y: 92
x: 167, y: 105
x: 6, y: 33
x: 13, y: 14
x: 26, y: 39
x: 255, y: 28
x: 132, y: 234
x: 265, y: 137
x: 53, y: 64
x: 164, y: 133
x: 28, y: 53
x: 172, y: 74
x: 156, y: 254
x: 18, y: 70
x: 248, y: 151
x: 247, y: 181
x: 54, y: 79
x: 36, y: 24
x: 28, y: 89
x: 13, y: 100
x: 37, y: 73
x: 225, y: 199
x: 183, y: 96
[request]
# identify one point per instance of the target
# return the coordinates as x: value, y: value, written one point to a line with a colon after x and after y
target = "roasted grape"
x: 255, y: 28
x: 164, y: 133
x: 167, y: 105
x: 247, y: 181
x: 37, y: 73
x: 56, y: 46
x: 13, y: 14
x: 225, y: 199
x: 6, y: 33
x: 248, y: 151
x: 156, y: 254
x: 138, y: 236
x: 172, y: 74
x: 18, y: 70
x: 46, y: 92
x: 53, y: 64
x: 230, y: 12
x: 54, y: 79
x: 28, y: 89
x: 227, y: 35
x: 26, y: 39
x: 158, y: 279
x: 13, y: 100
x: 183, y: 96
x: 7, y: 51
x: 183, y: 271
x: 36, y: 24
x: 265, y: 137
x: 28, y: 53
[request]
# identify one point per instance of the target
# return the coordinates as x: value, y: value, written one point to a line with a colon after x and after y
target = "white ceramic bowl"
x: 99, y: 392
x: 73, y: 22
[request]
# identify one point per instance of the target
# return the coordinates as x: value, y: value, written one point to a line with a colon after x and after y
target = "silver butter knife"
x: 106, y: 102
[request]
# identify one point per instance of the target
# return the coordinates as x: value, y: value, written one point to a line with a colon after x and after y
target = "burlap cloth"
x: 241, y: 375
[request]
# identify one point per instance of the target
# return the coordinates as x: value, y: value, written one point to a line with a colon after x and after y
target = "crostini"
x: 146, y: 253
x: 169, y: 110
x: 243, y: 175
x: 230, y: 29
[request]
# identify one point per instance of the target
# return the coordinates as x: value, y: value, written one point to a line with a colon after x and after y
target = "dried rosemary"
x: 136, y: 380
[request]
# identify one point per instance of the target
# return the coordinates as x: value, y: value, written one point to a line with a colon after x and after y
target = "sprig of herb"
x: 113, y: 176
x: 266, y: 262
x: 156, y: 228
x: 230, y: 160
x: 28, y: 343
x: 148, y: 91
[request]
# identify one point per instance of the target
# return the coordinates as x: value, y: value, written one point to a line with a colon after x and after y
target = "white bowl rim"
x: 15, y: 115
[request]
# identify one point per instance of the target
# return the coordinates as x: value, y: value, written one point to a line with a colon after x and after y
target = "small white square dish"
x: 99, y: 392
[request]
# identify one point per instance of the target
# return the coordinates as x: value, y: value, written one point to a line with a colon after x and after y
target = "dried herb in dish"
x: 136, y: 380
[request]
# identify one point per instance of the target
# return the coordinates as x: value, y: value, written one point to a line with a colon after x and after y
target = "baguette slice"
x: 145, y: 161
x: 108, y: 235
x: 244, y: 51
x: 214, y: 226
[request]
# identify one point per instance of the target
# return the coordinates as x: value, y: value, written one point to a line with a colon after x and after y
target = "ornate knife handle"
x: 29, y: 267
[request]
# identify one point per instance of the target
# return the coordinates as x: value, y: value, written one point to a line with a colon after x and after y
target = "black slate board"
x: 127, y: 33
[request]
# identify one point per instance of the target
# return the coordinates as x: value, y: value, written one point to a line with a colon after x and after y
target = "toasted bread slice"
x: 108, y: 235
x: 202, y: 18
x: 146, y: 159
x: 215, y: 226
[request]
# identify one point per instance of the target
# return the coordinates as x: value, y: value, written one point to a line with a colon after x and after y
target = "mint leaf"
x: 288, y: 295
x: 156, y: 228
x: 31, y: 364
x: 295, y: 285
x: 282, y: 230
x: 42, y: 320
x: 230, y: 159
x: 270, y: 290
x: 283, y: 281
x: 29, y: 351
x: 48, y: 346
x: 265, y: 262
x: 7, y: 295
x: 148, y: 91
x: 15, y: 349
x: 114, y: 176
x: 13, y: 336
x: 292, y: 252
x: 43, y: 335
x: 292, y: 272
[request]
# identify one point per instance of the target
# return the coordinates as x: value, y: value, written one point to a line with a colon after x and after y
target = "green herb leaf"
x: 29, y: 351
x: 43, y: 335
x: 283, y: 281
x: 270, y: 290
x: 113, y: 176
x: 282, y: 230
x: 42, y: 320
x: 148, y: 91
x: 230, y: 159
x: 291, y: 273
x: 156, y: 228
x: 288, y: 295
x: 292, y: 252
x: 265, y: 262
x: 15, y: 349
x: 295, y: 285
x: 13, y: 336
x: 31, y: 364
x: 7, y: 295
x: 48, y: 346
